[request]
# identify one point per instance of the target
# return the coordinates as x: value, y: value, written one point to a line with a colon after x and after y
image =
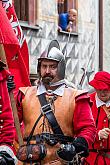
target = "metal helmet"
x: 54, y: 53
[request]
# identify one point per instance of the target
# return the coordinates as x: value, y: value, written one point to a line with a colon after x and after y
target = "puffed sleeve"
x: 84, y: 125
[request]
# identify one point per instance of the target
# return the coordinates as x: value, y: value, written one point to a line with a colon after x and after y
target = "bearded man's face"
x: 48, y: 70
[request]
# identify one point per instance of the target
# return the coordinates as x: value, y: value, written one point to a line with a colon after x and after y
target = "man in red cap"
x: 100, y: 150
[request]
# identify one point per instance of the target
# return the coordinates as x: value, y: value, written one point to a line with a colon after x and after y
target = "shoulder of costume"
x: 25, y: 89
x: 82, y: 94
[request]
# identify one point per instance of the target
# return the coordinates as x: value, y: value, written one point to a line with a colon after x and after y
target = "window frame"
x: 66, y: 7
x: 26, y: 11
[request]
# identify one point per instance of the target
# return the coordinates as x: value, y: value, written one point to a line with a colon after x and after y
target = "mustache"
x: 47, y: 76
x: 47, y: 79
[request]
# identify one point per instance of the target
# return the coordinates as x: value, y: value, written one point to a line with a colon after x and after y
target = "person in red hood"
x: 7, y: 129
x: 100, y: 150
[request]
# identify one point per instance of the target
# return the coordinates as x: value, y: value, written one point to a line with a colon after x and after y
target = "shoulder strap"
x: 47, y: 111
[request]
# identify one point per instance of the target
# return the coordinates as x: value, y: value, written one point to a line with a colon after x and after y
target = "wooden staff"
x: 12, y: 100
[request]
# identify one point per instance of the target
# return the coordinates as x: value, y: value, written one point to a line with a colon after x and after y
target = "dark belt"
x: 102, y: 152
x: 48, y: 136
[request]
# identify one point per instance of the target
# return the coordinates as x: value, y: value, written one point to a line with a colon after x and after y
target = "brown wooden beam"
x: 17, y: 8
x: 32, y: 11
x: 22, y: 11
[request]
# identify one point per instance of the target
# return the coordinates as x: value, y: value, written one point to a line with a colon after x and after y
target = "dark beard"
x: 47, y: 79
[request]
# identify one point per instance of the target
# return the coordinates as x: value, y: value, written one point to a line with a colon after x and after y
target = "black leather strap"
x: 57, y: 137
x: 47, y: 111
x: 32, y: 131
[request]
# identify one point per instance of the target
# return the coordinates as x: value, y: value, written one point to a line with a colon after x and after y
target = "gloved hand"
x: 103, y: 134
x: 66, y: 152
x: 10, y: 83
x: 81, y: 146
x: 6, y: 159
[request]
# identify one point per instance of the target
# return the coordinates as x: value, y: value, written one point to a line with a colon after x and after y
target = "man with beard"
x: 57, y: 118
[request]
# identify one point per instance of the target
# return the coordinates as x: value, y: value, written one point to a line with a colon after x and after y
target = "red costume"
x: 7, y: 130
x: 96, y: 157
x: 100, y: 150
x: 77, y: 116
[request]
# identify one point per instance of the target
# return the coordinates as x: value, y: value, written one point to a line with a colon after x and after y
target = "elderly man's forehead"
x: 73, y: 11
x: 103, y: 90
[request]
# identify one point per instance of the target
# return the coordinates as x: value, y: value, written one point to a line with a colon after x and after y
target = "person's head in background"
x: 72, y: 15
x: 101, y: 84
x: 61, y: 1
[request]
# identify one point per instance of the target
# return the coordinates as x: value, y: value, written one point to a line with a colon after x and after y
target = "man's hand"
x: 69, y: 27
x: 59, y: 29
x: 81, y: 146
x: 103, y: 134
x: 66, y: 152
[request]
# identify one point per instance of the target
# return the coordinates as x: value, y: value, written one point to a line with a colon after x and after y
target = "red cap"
x: 101, y: 81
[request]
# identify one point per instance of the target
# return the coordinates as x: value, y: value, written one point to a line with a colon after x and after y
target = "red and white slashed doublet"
x: 98, y: 157
x: 7, y: 129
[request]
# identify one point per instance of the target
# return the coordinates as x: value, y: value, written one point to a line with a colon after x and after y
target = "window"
x: 67, y: 10
x: 26, y: 10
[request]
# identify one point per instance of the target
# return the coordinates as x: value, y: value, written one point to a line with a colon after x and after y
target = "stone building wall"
x: 81, y: 48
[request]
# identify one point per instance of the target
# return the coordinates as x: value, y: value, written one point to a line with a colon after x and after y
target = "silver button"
x: 0, y: 97
x: 1, y: 126
x: 1, y: 121
x: 0, y: 106
x: 0, y: 112
x: 104, y: 121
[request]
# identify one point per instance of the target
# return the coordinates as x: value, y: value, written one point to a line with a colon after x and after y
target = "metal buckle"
x: 46, y: 109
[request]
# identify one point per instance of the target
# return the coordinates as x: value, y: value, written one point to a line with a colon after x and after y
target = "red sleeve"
x: 84, y: 125
x: 95, y: 112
